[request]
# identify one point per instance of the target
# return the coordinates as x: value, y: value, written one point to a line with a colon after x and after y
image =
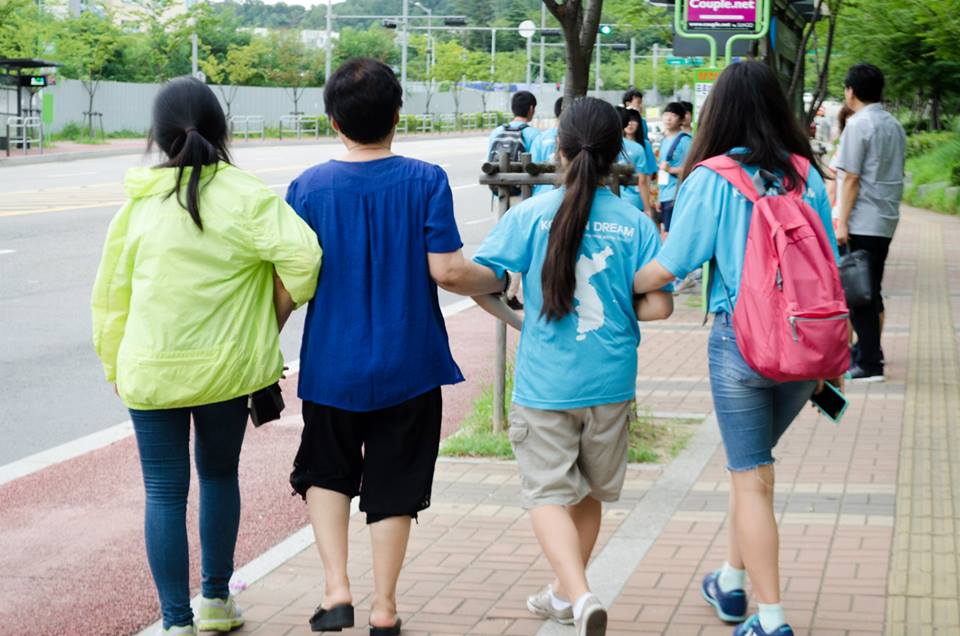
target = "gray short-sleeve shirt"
x: 873, y: 146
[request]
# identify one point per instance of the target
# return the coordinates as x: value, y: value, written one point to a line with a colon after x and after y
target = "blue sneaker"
x: 731, y: 606
x: 752, y: 627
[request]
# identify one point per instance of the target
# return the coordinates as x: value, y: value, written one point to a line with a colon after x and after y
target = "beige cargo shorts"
x: 565, y: 456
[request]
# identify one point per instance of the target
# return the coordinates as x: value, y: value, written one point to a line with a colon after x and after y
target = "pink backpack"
x: 790, y: 319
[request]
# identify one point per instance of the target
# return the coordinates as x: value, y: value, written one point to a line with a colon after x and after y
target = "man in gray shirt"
x: 872, y: 159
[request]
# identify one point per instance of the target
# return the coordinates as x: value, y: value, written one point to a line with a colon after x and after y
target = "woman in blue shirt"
x: 635, y: 153
x: 577, y: 248
x: 747, y: 117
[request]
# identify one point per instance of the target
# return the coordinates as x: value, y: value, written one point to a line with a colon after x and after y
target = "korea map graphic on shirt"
x: 590, y: 307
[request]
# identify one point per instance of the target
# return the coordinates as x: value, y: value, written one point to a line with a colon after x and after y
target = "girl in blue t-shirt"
x: 577, y: 249
x: 747, y: 117
x: 635, y: 153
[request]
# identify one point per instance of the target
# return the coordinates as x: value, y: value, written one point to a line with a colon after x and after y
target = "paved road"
x: 53, y: 218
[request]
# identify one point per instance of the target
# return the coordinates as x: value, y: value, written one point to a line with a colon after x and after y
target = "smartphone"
x: 831, y: 402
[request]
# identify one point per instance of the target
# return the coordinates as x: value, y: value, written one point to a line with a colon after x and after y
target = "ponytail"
x: 590, y: 139
x: 190, y: 128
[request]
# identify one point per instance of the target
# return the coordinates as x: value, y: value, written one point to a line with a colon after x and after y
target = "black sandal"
x: 332, y: 620
x: 386, y: 631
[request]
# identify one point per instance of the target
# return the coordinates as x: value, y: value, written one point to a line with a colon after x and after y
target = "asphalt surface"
x: 53, y: 219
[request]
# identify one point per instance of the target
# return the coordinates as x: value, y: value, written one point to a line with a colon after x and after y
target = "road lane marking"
x: 465, y: 186
x: 70, y: 174
x: 7, y: 251
x: 63, y: 188
x: 479, y: 221
x: 104, y: 204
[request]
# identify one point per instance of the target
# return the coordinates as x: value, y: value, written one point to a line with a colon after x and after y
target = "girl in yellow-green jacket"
x: 186, y: 320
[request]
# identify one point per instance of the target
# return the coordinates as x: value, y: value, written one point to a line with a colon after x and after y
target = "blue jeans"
x: 163, y: 437
x: 753, y: 411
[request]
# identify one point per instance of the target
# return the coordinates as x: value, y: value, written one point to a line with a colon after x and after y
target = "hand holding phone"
x: 830, y: 401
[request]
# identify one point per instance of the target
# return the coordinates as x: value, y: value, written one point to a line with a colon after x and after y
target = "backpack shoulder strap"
x: 673, y: 146
x: 802, y: 166
x: 731, y: 170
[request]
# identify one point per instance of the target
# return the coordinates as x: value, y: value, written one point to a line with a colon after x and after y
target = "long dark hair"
x: 590, y: 138
x: 748, y: 109
x: 190, y: 128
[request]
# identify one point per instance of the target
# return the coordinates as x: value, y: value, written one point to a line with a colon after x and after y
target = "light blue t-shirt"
x: 635, y: 154
x: 588, y: 357
x: 543, y: 151
x: 529, y: 134
x: 711, y: 219
x: 651, y: 158
x: 668, y: 192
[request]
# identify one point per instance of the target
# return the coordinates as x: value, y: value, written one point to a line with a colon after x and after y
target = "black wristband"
x: 506, y: 282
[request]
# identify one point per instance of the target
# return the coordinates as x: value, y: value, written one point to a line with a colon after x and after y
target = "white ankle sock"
x: 771, y: 616
x: 731, y: 578
x: 578, y: 606
x: 557, y: 602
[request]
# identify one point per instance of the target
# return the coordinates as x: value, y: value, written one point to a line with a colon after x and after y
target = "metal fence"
x: 24, y: 133
x: 247, y: 125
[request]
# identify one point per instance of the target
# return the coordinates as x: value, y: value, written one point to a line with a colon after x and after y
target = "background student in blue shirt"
x: 544, y: 147
x: 577, y: 248
x: 635, y: 153
x: 375, y: 349
x: 747, y: 116
x: 633, y: 99
x: 673, y: 152
x: 524, y: 106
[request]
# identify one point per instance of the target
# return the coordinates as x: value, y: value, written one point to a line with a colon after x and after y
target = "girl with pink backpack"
x: 752, y: 202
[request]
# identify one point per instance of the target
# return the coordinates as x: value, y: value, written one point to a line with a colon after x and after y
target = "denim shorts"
x: 752, y: 411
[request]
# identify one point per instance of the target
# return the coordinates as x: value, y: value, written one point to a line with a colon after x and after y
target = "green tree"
x: 478, y: 69
x: 377, y: 43
x: 292, y: 66
x: 579, y: 20
x: 242, y: 65
x: 451, y: 67
x: 26, y: 30
x: 87, y: 43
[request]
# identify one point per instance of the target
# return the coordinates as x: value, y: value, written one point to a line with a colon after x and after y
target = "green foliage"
x: 25, y: 29
x: 935, y: 165
x: 376, y: 43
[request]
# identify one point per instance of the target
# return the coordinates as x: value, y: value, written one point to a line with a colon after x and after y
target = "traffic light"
x: 549, y: 32
x: 455, y: 22
x: 606, y: 29
x: 619, y: 47
x: 388, y: 24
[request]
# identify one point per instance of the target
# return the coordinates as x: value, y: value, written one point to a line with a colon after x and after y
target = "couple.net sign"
x: 722, y: 14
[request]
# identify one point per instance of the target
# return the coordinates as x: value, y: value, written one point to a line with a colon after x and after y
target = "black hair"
x: 590, y: 139
x: 190, y: 128
x: 866, y: 81
x: 631, y: 94
x: 628, y: 115
x: 676, y: 108
x: 522, y: 102
x: 363, y: 96
x: 748, y: 109
x: 687, y: 106
x: 558, y: 107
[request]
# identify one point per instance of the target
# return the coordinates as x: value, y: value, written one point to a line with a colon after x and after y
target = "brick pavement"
x: 868, y: 509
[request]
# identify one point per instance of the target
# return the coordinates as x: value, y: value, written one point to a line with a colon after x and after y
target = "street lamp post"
x: 431, y: 46
x: 328, y: 44
x: 543, y: 25
x: 403, y: 55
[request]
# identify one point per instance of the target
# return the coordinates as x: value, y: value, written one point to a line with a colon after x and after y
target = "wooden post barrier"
x: 525, y: 174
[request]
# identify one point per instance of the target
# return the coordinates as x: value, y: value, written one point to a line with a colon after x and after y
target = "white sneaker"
x: 180, y: 630
x: 593, y: 619
x: 217, y: 615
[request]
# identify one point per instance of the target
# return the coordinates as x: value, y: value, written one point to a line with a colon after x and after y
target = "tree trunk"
x: 91, y: 86
x: 824, y: 71
x: 800, y: 61
x: 935, y: 123
x: 579, y: 20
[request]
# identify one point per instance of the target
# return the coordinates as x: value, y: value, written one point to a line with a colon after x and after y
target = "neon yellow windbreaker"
x: 183, y: 317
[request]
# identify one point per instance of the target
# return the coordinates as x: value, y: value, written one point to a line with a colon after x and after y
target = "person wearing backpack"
x: 517, y: 136
x: 675, y: 145
x: 780, y: 317
x: 200, y: 269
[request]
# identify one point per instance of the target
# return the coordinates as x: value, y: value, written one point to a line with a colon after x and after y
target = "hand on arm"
x: 648, y: 204
x: 494, y: 305
x: 454, y: 273
x: 282, y: 301
x: 654, y: 305
x: 848, y: 196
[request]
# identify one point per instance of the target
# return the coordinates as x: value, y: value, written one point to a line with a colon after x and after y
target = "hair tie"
x: 189, y: 130
x: 586, y: 147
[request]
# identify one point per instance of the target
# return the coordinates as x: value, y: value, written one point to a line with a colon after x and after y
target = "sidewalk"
x: 869, y: 510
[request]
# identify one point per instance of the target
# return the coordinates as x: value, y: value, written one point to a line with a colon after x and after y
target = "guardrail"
x: 24, y: 132
x: 299, y: 125
x: 247, y: 125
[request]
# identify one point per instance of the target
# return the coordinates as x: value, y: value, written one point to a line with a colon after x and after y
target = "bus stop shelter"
x: 20, y: 79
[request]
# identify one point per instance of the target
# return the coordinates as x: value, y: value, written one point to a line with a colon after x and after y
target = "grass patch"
x: 935, y: 159
x: 80, y: 133
x: 652, y: 440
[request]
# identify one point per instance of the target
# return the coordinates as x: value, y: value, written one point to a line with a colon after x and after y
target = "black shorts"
x: 386, y: 456
x: 666, y: 214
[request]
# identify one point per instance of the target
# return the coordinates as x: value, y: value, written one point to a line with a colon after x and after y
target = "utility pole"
x: 596, y: 79
x: 403, y: 55
x: 529, y: 59
x: 328, y: 44
x: 493, y: 54
x: 633, y: 72
x: 543, y: 25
